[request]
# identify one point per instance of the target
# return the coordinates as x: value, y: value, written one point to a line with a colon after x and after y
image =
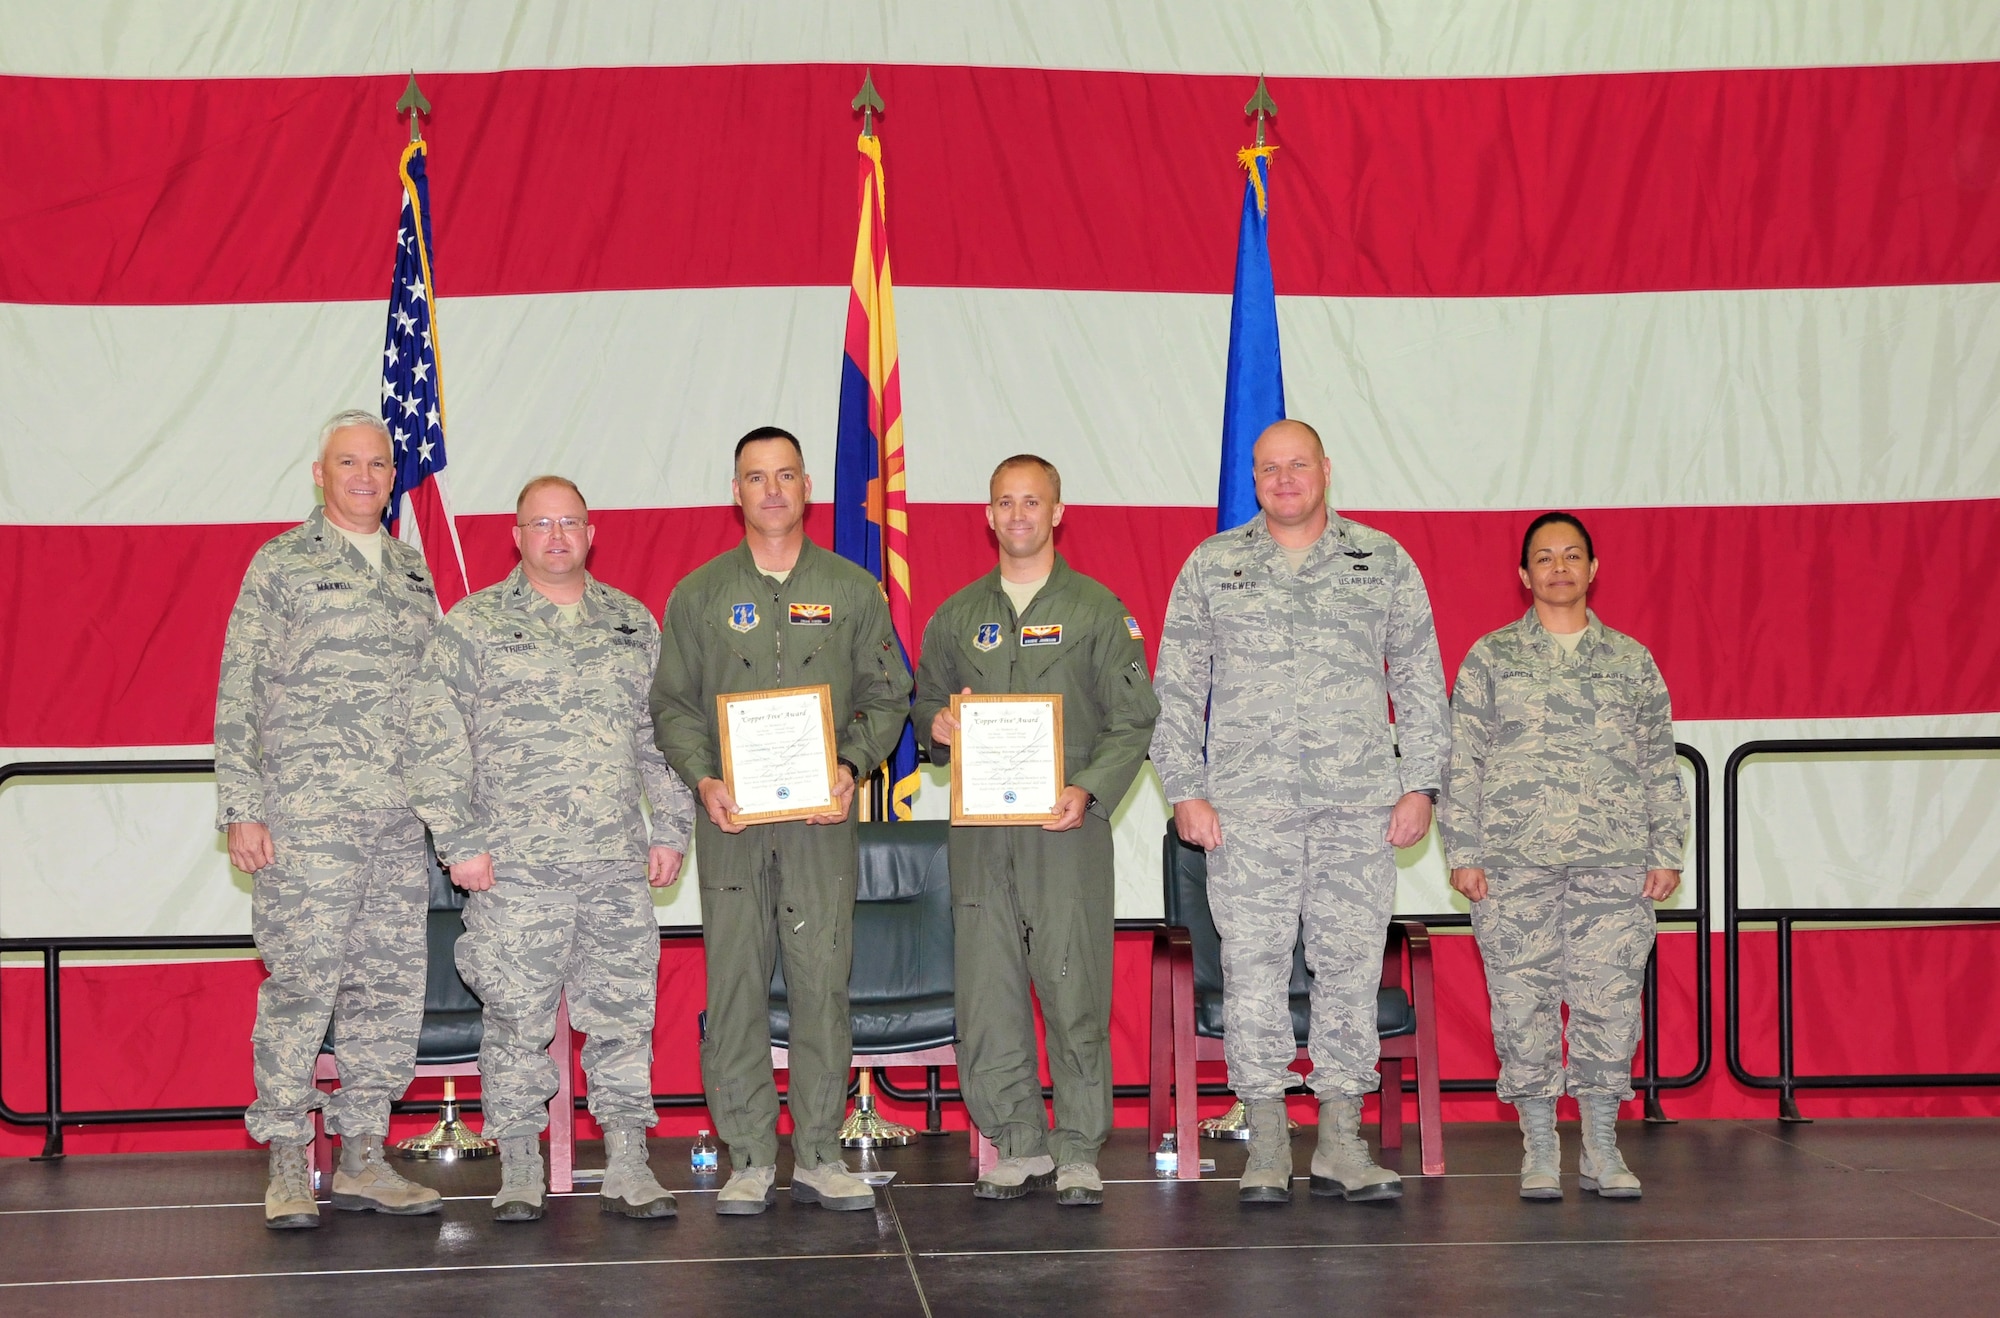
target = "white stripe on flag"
x: 206, y: 414
x: 1439, y: 39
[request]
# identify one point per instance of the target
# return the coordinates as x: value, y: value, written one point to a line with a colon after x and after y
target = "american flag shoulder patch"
x: 1132, y: 626
x: 1042, y: 633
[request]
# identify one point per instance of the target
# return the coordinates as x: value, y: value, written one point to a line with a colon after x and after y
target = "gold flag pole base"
x: 865, y: 1128
x: 1234, y: 1124
x: 449, y: 1140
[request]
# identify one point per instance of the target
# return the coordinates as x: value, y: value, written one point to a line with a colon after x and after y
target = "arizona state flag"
x: 871, y: 523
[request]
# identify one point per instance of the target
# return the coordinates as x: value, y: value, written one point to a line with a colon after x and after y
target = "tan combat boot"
x: 521, y: 1180
x: 1341, y: 1165
x: 1267, y: 1175
x: 364, y: 1182
x: 832, y: 1185
x: 629, y: 1186
x: 749, y: 1190
x: 1601, y: 1167
x: 1011, y: 1178
x: 1078, y: 1185
x: 288, y: 1197
x: 1541, y: 1149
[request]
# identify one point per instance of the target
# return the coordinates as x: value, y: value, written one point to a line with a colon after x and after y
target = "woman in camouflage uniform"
x: 1563, y: 820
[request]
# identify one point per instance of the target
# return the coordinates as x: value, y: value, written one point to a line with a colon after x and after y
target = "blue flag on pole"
x: 1254, y: 389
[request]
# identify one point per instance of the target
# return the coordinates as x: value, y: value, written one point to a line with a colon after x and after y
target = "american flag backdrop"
x: 1723, y: 278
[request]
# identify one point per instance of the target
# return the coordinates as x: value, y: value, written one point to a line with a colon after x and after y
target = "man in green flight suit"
x: 778, y: 611
x: 1032, y: 903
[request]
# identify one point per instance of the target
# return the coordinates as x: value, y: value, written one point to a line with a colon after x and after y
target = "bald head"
x: 1292, y: 471
x: 1297, y: 429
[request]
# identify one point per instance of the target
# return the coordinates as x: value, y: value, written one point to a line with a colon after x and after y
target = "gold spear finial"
x: 869, y: 102
x: 1261, y: 104
x: 415, y: 104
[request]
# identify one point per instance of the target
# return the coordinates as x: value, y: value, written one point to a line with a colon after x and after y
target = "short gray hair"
x: 352, y: 418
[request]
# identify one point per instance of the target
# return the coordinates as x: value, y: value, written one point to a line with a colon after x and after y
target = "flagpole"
x: 881, y: 807
x: 873, y: 794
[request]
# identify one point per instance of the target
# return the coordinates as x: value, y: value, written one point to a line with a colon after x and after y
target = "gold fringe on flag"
x: 1248, y: 158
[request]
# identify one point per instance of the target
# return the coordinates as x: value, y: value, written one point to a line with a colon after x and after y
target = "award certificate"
x: 1007, y: 759
x: 777, y: 752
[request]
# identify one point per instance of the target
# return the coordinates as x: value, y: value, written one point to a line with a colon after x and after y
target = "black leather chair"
x: 448, y: 1042
x: 900, y: 991
x: 1405, y: 1017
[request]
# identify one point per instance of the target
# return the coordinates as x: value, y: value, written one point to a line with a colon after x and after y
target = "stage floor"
x: 1839, y: 1217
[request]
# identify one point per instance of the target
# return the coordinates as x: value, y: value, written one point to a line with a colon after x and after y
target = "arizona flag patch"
x: 1132, y: 626
x: 1041, y: 633
x: 812, y: 615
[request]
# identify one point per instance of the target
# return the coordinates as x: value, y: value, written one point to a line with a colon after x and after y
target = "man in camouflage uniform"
x: 310, y: 716
x: 1033, y: 903
x: 530, y: 747
x: 1563, y: 821
x: 1275, y: 747
x: 778, y: 611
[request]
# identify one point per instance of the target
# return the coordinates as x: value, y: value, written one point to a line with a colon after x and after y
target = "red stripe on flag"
x: 112, y: 635
x: 440, y: 543
x: 1785, y: 612
x: 251, y: 190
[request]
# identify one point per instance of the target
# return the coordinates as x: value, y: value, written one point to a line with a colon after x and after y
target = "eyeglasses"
x: 546, y: 525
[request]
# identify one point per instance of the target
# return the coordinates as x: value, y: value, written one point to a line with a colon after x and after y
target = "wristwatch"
x: 1431, y: 792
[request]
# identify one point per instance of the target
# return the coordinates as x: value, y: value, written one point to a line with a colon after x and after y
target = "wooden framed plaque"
x: 778, y: 753
x: 1007, y: 759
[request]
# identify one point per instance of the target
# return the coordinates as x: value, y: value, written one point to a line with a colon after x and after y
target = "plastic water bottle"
x: 1167, y: 1158
x: 703, y: 1157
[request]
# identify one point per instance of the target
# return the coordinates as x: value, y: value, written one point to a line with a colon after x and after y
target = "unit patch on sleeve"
x: 742, y: 617
x: 987, y: 637
x: 812, y: 615
x: 1041, y: 633
x: 1132, y: 626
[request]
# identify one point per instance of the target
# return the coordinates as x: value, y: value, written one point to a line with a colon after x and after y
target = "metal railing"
x: 53, y: 1116
x: 1787, y: 1081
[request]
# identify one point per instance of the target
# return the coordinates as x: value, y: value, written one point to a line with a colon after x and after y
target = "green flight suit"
x: 1031, y: 906
x: 783, y: 889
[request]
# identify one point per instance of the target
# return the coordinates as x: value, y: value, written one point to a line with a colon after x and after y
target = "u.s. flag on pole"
x: 419, y: 511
